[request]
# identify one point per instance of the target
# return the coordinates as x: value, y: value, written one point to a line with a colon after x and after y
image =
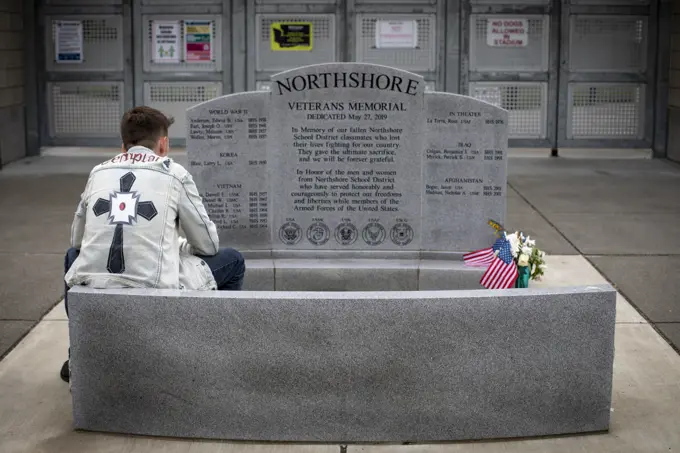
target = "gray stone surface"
x: 226, y: 150
x: 346, y: 275
x: 259, y: 275
x: 450, y: 256
x: 344, y: 146
x: 391, y: 366
x: 447, y: 275
x: 464, y: 172
x: 329, y: 273
x: 347, y: 254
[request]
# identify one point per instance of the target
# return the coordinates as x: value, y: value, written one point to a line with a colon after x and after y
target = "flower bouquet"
x: 511, y: 261
x: 528, y: 258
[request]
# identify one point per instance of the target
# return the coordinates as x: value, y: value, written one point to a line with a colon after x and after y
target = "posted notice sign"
x: 166, y: 47
x: 396, y: 34
x: 68, y: 41
x: 198, y: 45
x: 291, y: 36
x: 507, y: 32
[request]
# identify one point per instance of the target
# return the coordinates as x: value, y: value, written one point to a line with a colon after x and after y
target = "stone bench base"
x: 359, y: 274
x: 343, y: 367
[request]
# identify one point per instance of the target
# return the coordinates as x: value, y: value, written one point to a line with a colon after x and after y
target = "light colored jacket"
x: 128, y: 226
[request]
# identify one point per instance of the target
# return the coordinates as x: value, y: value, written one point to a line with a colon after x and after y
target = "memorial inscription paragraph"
x: 345, y: 146
x: 464, y: 172
x: 226, y: 150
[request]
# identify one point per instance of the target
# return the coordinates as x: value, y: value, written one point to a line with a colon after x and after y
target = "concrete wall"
x: 12, y: 121
x: 674, y: 94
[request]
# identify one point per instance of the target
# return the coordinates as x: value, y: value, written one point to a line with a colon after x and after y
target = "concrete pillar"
x: 12, y: 106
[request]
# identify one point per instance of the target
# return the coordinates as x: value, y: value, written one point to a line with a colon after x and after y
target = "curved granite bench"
x: 343, y: 366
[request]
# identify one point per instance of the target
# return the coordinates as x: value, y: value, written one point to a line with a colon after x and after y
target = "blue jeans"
x: 228, y: 268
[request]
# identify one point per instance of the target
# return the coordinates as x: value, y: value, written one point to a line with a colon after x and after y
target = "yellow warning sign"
x: 291, y: 36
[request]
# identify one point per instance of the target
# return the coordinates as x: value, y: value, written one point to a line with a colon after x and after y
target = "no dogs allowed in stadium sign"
x: 291, y: 36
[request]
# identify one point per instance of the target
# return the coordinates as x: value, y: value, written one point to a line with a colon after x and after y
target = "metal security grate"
x: 181, y: 2
x: 412, y: 2
x: 610, y: 2
x: 98, y: 30
x: 85, y: 108
x: 102, y: 44
x: 601, y: 110
x: 182, y: 93
x: 174, y: 98
x: 298, y: 2
x: 526, y: 103
x: 532, y: 57
x: 422, y: 58
x: 608, y: 43
x: 83, y: 2
x: 215, y: 65
x: 323, y: 42
x: 506, y: 2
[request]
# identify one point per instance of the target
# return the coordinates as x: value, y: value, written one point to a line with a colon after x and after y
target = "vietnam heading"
x: 326, y: 80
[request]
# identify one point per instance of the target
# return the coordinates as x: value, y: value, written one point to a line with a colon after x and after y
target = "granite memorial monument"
x: 350, y: 156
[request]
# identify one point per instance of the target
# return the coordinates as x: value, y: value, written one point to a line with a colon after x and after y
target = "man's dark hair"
x: 144, y: 126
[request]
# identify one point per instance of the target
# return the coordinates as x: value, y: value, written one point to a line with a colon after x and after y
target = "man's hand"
x: 185, y: 247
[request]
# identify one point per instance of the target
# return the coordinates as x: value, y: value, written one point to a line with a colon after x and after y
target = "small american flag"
x: 502, y: 272
x: 483, y: 257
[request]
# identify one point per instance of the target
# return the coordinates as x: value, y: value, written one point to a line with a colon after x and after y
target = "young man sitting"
x: 126, y: 230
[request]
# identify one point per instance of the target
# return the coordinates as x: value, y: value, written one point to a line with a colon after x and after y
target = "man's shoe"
x: 65, y: 372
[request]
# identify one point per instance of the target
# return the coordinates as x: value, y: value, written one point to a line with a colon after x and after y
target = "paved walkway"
x: 598, y: 219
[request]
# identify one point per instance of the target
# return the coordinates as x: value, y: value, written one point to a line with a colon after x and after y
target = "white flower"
x: 523, y: 260
x: 514, y: 243
x: 527, y: 250
x: 542, y: 266
x: 530, y: 242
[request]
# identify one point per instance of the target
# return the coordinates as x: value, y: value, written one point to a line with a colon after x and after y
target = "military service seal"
x: 290, y: 233
x: 373, y: 234
x: 318, y: 233
x: 346, y: 233
x: 401, y: 234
